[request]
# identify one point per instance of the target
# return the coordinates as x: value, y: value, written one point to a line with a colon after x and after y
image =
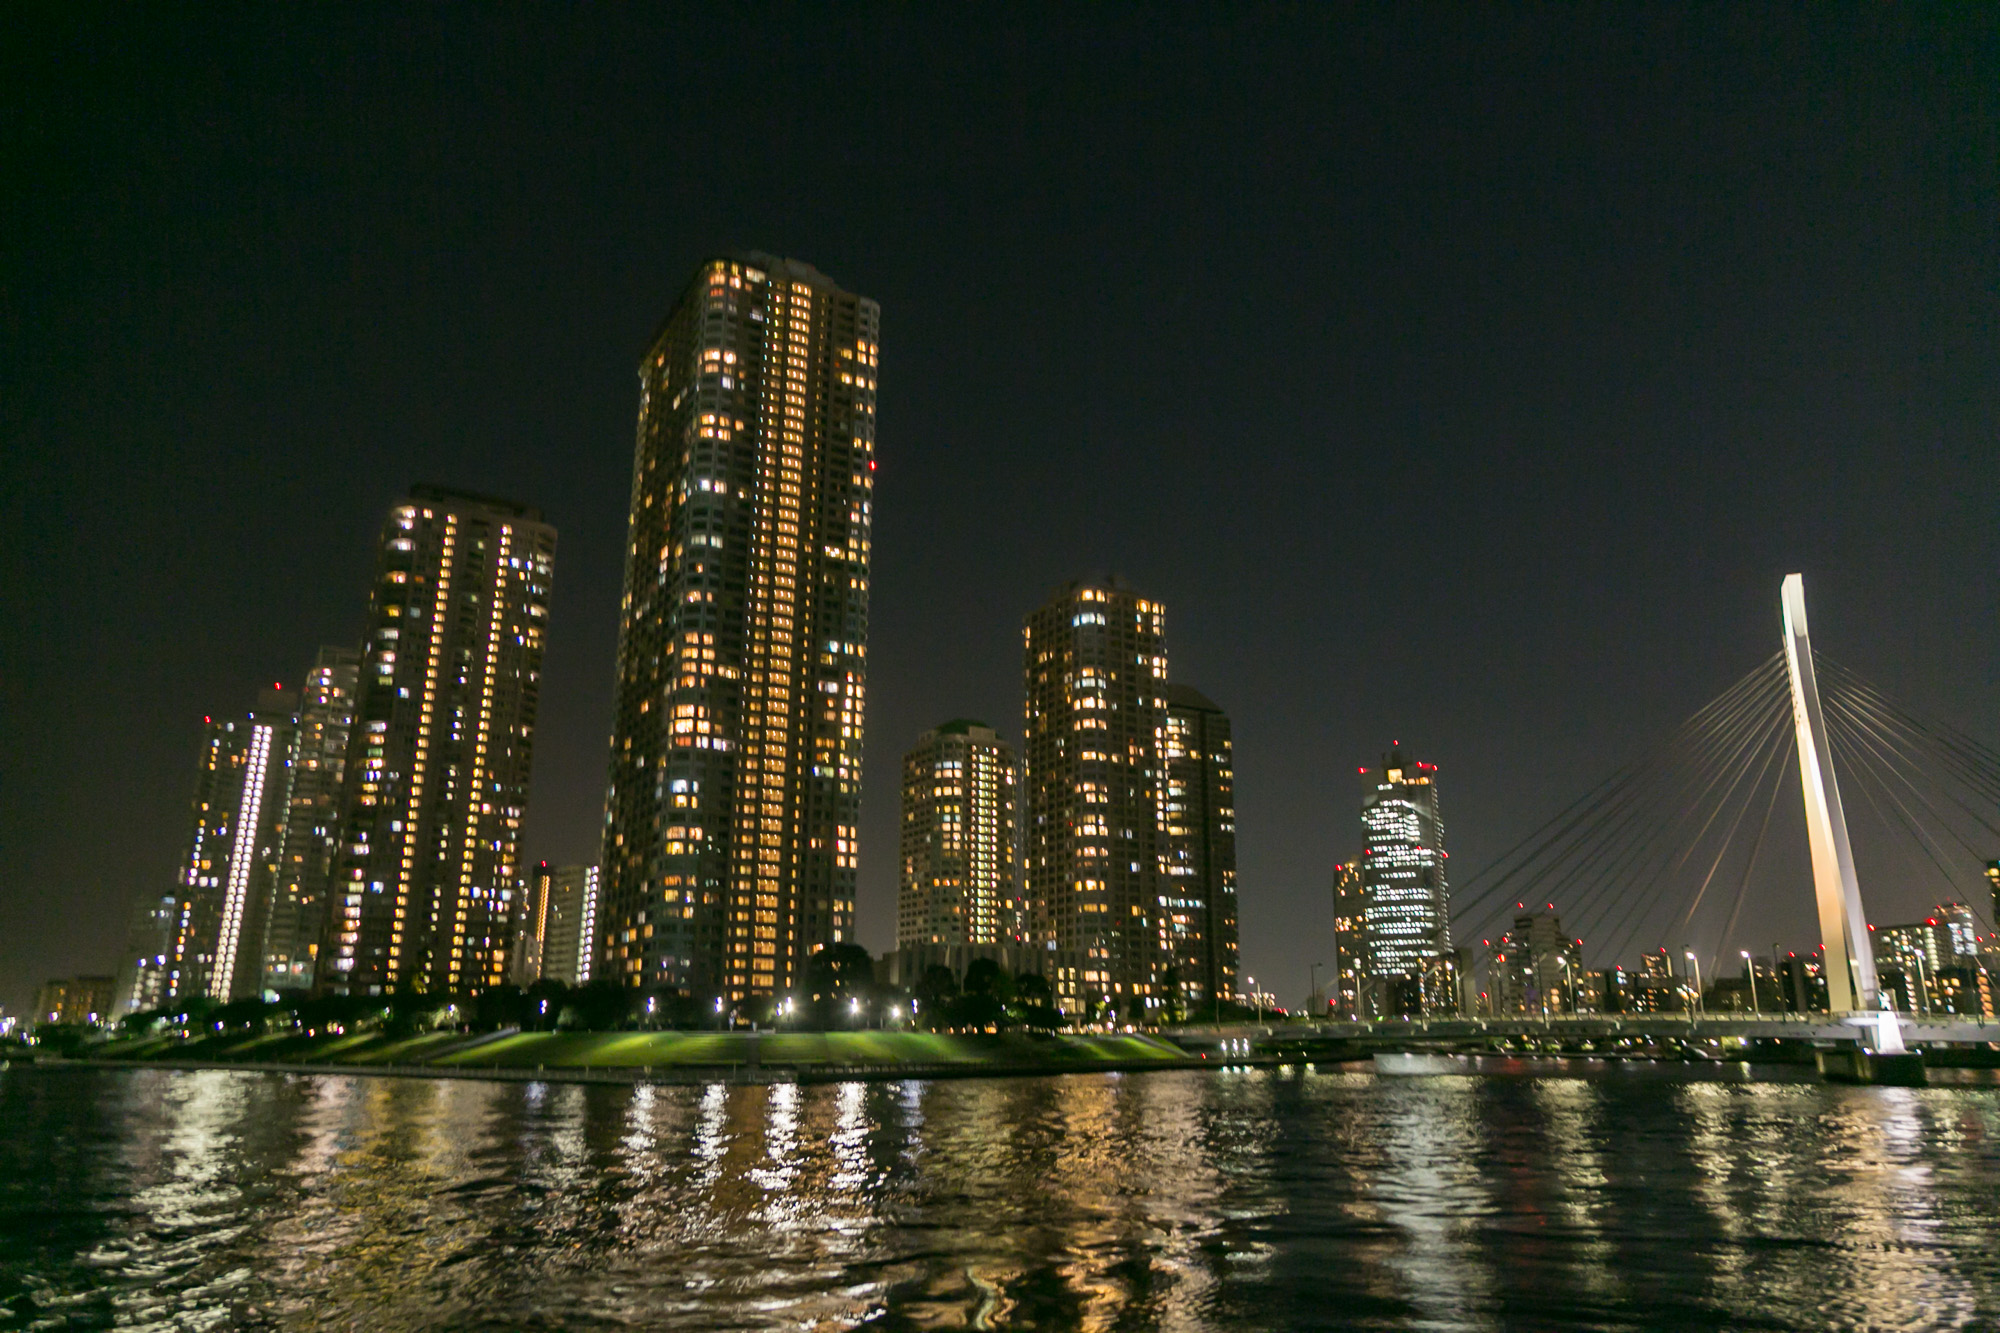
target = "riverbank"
x: 658, y: 1057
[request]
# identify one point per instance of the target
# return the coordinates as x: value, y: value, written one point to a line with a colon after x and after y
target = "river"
x: 1632, y: 1197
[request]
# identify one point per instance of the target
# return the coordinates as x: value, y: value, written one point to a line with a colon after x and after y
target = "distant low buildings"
x: 1934, y: 965
x: 78, y: 1000
x: 1536, y: 968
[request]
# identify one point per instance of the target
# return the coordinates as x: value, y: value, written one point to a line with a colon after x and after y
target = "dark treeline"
x: 839, y: 992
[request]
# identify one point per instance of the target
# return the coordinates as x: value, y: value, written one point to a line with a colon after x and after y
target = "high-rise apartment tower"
x: 731, y: 821
x: 959, y: 883
x: 436, y: 783
x: 230, y: 872
x: 1095, y: 669
x: 1198, y: 907
x: 1403, y: 872
x: 312, y: 827
x: 1350, y: 994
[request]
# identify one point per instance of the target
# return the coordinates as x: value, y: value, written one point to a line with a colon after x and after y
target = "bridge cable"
x: 1643, y: 902
x: 1624, y: 829
x: 1742, y: 887
x: 1629, y: 833
x: 1613, y: 792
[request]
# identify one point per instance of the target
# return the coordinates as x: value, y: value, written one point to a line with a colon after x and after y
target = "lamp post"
x: 1750, y: 968
x: 1694, y: 1003
x: 1257, y: 999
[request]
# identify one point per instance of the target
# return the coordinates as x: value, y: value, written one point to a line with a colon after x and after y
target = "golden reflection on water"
x: 1224, y: 1200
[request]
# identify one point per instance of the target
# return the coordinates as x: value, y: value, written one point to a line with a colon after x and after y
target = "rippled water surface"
x: 1214, y: 1200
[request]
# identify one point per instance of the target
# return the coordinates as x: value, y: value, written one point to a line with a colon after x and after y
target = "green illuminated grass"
x: 658, y: 1050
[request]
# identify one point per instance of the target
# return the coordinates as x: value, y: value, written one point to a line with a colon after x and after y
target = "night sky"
x: 1468, y: 377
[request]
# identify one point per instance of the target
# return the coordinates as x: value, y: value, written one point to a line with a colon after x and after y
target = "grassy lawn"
x: 628, y: 1050
x: 637, y: 1049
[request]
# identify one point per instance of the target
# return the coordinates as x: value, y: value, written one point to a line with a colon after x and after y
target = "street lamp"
x: 1694, y: 965
x: 1750, y: 968
x: 1256, y: 998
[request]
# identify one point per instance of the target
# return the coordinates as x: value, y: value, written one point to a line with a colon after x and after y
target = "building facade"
x: 558, y: 919
x: 959, y: 882
x: 1536, y: 968
x: 437, y: 768
x: 77, y: 1000
x: 1934, y: 965
x: 1349, y: 998
x: 1198, y: 902
x: 1402, y: 864
x: 1095, y: 669
x: 312, y: 827
x: 732, y: 810
x: 145, y: 972
x: 230, y: 872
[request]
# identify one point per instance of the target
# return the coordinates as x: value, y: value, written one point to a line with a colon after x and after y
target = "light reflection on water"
x: 1178, y: 1201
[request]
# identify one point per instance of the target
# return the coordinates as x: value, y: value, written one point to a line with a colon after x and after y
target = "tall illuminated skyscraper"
x: 1095, y: 669
x: 312, y: 829
x: 436, y: 784
x: 731, y: 819
x: 1198, y: 916
x: 230, y: 872
x: 959, y: 884
x: 1403, y: 874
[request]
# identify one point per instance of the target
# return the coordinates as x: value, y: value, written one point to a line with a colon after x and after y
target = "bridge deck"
x: 1925, y: 1031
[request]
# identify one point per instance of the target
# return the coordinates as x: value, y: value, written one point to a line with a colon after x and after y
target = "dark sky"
x: 1466, y: 376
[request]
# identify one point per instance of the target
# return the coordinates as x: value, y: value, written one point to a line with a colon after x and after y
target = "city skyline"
x: 1466, y: 383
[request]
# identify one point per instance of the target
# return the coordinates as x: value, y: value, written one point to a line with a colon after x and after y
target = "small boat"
x: 1406, y: 1063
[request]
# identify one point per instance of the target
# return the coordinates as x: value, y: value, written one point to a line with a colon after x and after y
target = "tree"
x: 597, y: 1006
x: 986, y: 977
x: 1174, y: 1002
x: 836, y: 977
x: 545, y: 1001
x: 936, y: 990
x: 498, y: 1007
x: 1035, y: 1003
